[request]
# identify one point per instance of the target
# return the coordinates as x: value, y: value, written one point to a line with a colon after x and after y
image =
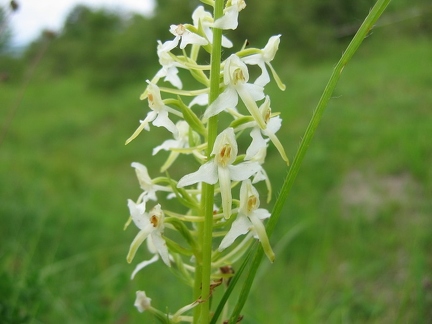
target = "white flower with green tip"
x: 236, y: 77
x: 272, y: 125
x: 221, y: 169
x: 158, y: 115
x: 150, y: 224
x: 249, y: 218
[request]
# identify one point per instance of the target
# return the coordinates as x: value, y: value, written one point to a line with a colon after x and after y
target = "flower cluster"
x: 233, y: 171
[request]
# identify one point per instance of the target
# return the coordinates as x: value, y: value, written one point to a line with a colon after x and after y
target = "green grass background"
x: 363, y: 198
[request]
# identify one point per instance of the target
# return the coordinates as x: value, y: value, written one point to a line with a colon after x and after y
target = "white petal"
x: 163, y: 120
x: 192, y: 38
x: 249, y: 101
x: 262, y: 235
x: 225, y: 190
x: 136, y: 243
x: 166, y: 146
x: 201, y: 100
x: 137, y: 212
x: 229, y: 20
x: 239, y: 227
x: 243, y: 170
x: 227, y: 99
x: 169, y: 45
x: 161, y: 247
x: 258, y: 143
x: 206, y: 173
x: 144, y: 264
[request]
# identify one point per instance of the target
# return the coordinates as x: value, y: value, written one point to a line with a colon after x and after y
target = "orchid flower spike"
x: 158, y: 115
x: 249, y: 218
x: 221, y: 169
x: 236, y: 77
x: 151, y: 223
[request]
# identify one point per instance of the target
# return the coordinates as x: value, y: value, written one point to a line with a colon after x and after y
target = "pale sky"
x: 35, y: 15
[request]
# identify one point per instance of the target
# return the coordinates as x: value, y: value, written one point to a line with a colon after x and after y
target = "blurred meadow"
x: 355, y: 242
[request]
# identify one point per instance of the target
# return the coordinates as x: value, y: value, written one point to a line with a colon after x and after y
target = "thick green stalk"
x: 208, y: 190
x: 363, y: 31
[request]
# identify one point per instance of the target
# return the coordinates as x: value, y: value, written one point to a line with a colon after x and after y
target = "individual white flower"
x: 261, y: 174
x: 146, y: 183
x: 236, y: 77
x: 272, y: 125
x: 249, y: 218
x: 151, y: 223
x: 264, y: 58
x: 230, y: 18
x: 220, y: 169
x: 169, y: 68
x: 142, y: 302
x: 181, y: 140
x: 184, y: 36
x: 204, y: 19
x: 158, y: 115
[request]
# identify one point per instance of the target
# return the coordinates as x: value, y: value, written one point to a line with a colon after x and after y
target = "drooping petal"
x: 225, y: 190
x: 240, y: 226
x: 250, y: 104
x: 192, y: 38
x: 262, y: 235
x: 136, y: 243
x: 144, y: 125
x: 144, y: 264
x: 206, y: 173
x: 161, y: 247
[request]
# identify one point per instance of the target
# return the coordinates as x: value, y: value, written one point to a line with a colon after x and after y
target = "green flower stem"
x: 202, y: 315
x: 363, y: 31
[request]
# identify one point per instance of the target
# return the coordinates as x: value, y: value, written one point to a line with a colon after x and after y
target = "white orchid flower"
x: 249, y: 218
x: 184, y: 36
x: 158, y: 115
x: 272, y: 125
x: 169, y: 69
x: 150, y: 224
x: 205, y: 19
x: 146, y: 183
x: 264, y: 58
x: 230, y: 18
x: 179, y: 141
x: 142, y: 302
x: 236, y: 77
x: 221, y: 169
